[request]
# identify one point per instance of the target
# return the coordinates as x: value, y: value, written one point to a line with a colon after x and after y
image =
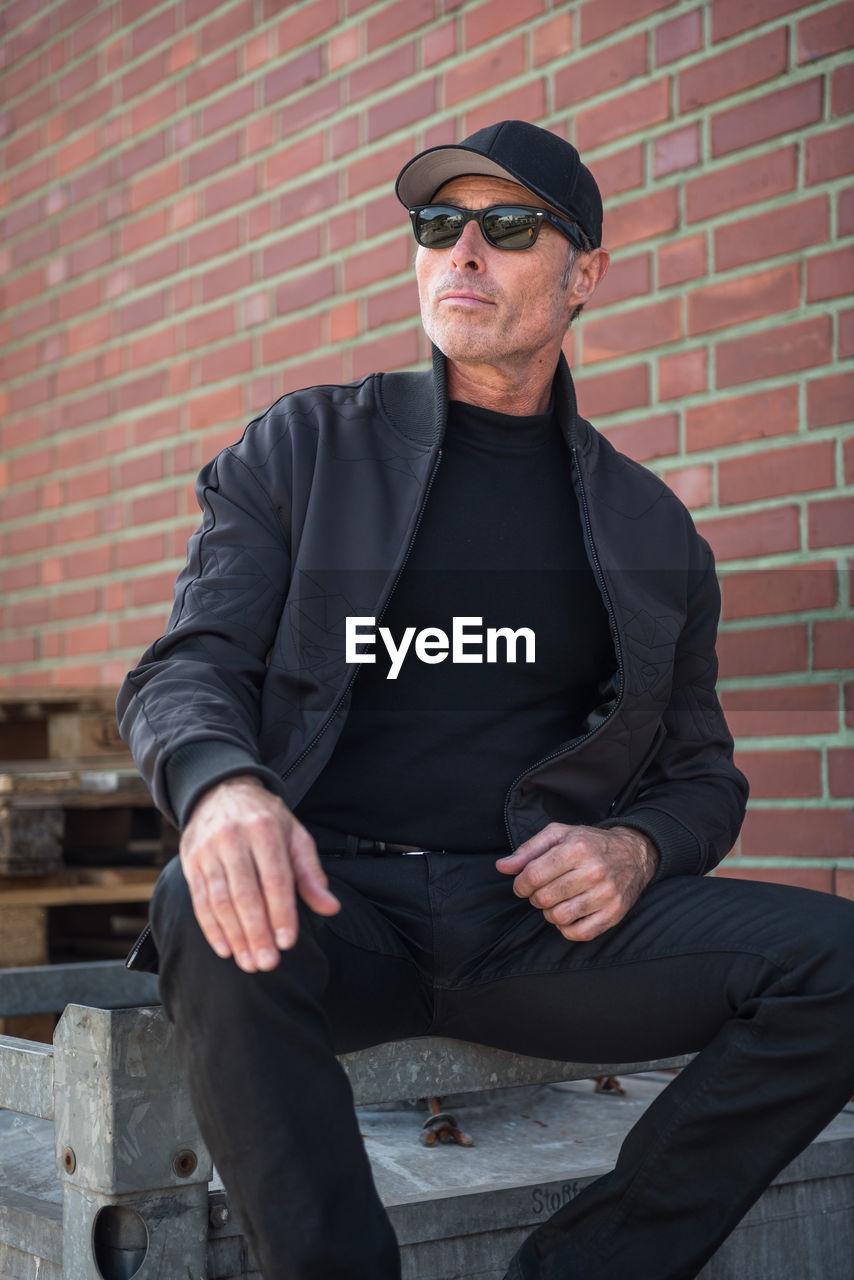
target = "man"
x: 435, y: 627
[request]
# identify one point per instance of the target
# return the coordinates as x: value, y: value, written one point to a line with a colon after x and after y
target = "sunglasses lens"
x: 510, y: 228
x: 438, y: 226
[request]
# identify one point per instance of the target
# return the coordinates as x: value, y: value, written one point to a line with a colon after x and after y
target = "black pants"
x: 759, y: 977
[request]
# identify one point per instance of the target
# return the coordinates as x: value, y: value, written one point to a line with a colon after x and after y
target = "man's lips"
x: 466, y: 298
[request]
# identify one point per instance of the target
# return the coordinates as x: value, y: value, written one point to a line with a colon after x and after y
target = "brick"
x: 292, y: 339
x: 213, y: 158
x: 768, y: 117
x: 750, y: 417
x: 678, y: 37
x: 305, y: 290
x: 833, y: 645
x: 830, y: 275
x: 232, y: 25
x: 641, y: 219
x: 677, y: 150
x: 485, y: 71
x: 830, y: 401
x: 845, y: 344
x: 223, y: 237
x: 819, y: 879
x: 601, y: 17
x: 828, y: 155
x: 831, y: 523
x: 288, y: 163
x: 740, y: 68
x: 380, y: 263
x: 307, y: 200
x: 754, y: 533
x: 614, y: 392
x: 626, y: 278
x: 221, y: 73
x: 154, y: 186
x: 306, y: 24
x: 647, y: 438
x: 484, y: 22
x: 769, y: 235
x: 692, y: 485
x: 239, y: 186
x: 731, y: 17
x: 757, y: 593
x: 396, y: 20
x: 395, y: 351
x: 842, y: 91
x: 402, y: 109
x: 79, y: 527
x: 782, y: 710
x: 781, y: 774
x: 154, y: 110
x: 526, y: 102
x: 681, y: 260
x: 149, y: 309
x: 818, y: 833
x: 156, y: 266
x: 374, y: 169
x: 826, y: 32
x: 742, y: 298
x: 749, y: 181
x: 762, y: 651
x: 775, y: 352
x: 291, y: 251
x: 845, y: 212
x: 635, y: 330
x: 552, y: 39
x: 843, y: 881
x: 629, y: 112
x: 392, y: 68
x: 620, y: 171
x: 840, y: 774
x: 316, y: 105
x: 685, y: 373
x: 600, y: 72
x: 149, y: 74
x: 777, y: 472
x: 233, y: 276
x: 295, y: 74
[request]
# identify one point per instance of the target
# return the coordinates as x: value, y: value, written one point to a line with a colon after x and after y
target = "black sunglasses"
x: 506, y: 226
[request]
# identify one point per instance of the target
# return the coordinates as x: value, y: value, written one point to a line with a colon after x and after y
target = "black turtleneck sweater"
x: 428, y: 758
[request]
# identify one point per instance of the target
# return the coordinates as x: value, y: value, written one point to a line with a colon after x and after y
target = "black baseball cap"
x: 547, y: 165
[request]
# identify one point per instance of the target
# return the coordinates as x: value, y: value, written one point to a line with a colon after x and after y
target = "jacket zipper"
x: 333, y: 713
x: 618, y: 650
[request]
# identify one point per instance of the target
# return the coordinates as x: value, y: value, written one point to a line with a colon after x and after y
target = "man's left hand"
x: 583, y: 879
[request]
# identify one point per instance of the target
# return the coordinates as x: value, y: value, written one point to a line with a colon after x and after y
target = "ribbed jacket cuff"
x: 193, y: 769
x: 679, y: 848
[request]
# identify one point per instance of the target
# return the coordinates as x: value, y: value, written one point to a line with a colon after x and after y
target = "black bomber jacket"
x: 309, y: 519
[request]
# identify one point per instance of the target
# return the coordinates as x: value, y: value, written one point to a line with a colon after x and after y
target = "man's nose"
x: 468, y: 252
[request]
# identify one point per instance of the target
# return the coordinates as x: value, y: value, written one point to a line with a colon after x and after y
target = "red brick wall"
x: 197, y: 215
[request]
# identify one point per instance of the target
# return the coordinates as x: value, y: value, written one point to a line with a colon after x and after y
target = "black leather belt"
x: 344, y: 845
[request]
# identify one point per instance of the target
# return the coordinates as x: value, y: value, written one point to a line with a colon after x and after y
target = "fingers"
x: 544, y: 840
x: 245, y: 858
x: 570, y: 873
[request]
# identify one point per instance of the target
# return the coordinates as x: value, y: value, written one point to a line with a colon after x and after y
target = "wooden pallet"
x: 60, y: 724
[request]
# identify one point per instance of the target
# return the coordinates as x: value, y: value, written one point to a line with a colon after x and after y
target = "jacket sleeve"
x: 690, y: 798
x: 190, y: 709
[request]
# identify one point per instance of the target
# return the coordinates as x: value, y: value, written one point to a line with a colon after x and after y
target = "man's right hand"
x: 245, y: 858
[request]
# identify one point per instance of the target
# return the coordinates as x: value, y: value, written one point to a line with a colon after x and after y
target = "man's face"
x: 496, y: 306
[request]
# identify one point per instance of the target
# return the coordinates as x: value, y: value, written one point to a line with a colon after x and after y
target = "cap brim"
x: 423, y: 176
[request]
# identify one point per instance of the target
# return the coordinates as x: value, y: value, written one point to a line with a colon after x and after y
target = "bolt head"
x: 69, y: 1160
x: 184, y: 1163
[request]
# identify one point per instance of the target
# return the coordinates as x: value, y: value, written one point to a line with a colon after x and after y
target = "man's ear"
x: 590, y: 270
